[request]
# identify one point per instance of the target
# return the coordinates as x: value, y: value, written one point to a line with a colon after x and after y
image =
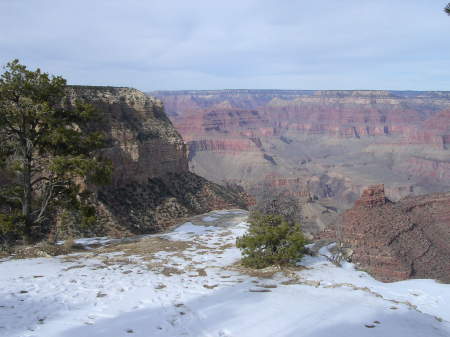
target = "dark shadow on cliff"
x: 151, y: 185
x: 147, y: 208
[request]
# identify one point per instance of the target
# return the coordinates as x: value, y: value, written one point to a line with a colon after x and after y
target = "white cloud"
x: 199, y: 44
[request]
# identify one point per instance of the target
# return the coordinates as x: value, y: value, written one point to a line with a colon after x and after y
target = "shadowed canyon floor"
x: 186, y: 282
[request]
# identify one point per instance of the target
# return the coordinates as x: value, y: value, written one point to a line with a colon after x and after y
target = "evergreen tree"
x: 271, y: 240
x: 447, y: 9
x: 49, y: 153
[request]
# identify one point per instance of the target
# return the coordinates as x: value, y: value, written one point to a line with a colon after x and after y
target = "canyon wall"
x: 235, y: 121
x: 151, y: 184
x: 337, y: 113
x: 327, y: 145
x: 142, y: 143
x: 396, y: 241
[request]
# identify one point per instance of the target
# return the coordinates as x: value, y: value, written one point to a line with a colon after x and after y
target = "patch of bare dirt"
x: 269, y: 272
x: 43, y: 249
x: 170, y: 271
x: 146, y: 247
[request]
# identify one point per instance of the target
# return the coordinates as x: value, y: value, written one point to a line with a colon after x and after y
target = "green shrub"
x: 11, y: 228
x: 271, y: 241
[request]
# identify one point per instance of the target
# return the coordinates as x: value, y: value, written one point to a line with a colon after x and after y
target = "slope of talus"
x: 151, y: 184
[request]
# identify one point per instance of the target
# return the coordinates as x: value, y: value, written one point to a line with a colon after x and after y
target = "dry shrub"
x: 69, y: 243
x: 42, y: 249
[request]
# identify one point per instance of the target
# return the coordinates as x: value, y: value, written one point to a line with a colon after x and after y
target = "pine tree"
x: 271, y: 240
x: 49, y: 153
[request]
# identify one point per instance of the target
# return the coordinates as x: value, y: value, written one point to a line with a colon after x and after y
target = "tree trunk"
x: 27, y: 197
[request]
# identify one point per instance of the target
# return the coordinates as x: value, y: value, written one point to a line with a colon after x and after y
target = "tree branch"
x: 44, y: 204
x: 38, y: 180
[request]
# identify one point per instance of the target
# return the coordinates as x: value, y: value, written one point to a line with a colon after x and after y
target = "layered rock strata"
x: 396, y: 241
x: 324, y: 144
x: 142, y: 142
x: 353, y: 114
x: 151, y: 184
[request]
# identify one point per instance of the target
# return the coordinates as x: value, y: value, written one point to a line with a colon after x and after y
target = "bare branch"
x: 45, y: 203
x: 38, y: 180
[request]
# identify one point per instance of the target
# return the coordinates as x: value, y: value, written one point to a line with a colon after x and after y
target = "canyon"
x: 151, y: 185
x: 324, y: 147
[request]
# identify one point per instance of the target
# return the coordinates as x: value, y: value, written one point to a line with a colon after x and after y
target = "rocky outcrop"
x: 138, y: 208
x: 142, y: 143
x: 372, y: 197
x: 151, y: 183
x: 396, y: 241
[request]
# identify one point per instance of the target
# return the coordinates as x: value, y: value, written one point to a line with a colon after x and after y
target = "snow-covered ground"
x: 186, y: 283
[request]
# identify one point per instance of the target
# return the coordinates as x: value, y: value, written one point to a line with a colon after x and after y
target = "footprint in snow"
x: 371, y: 326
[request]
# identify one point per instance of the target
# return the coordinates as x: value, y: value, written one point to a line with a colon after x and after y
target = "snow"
x: 209, y: 219
x: 89, y: 242
x: 194, y: 290
x: 93, y: 241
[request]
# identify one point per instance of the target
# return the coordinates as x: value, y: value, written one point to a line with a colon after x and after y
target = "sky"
x: 234, y: 44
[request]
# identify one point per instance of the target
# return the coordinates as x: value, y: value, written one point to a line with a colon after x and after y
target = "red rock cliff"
x: 336, y: 142
x: 397, y: 241
x: 143, y: 144
x: 338, y: 113
x: 233, y: 117
x: 151, y: 183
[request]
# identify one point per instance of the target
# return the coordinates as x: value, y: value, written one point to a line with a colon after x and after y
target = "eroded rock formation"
x: 399, y: 240
x: 351, y: 114
x: 328, y: 145
x: 142, y: 142
x: 151, y: 183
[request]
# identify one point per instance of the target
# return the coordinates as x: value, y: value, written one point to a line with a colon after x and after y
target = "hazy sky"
x: 210, y: 44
